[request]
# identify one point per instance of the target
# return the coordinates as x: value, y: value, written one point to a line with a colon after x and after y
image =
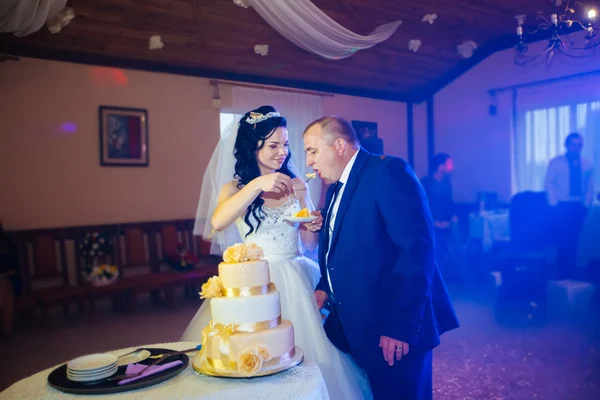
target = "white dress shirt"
x: 333, y: 209
x: 558, y: 182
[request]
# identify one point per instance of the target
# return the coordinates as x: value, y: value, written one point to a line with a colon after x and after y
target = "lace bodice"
x: 276, y: 236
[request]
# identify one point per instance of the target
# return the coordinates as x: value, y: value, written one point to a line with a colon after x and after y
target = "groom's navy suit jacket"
x: 382, y: 261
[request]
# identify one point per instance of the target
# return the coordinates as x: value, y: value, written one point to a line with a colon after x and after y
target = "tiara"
x: 255, y: 118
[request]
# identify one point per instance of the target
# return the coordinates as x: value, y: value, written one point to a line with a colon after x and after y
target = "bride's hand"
x: 276, y: 183
x: 299, y: 189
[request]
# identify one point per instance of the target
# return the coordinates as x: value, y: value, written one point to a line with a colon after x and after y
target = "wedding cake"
x: 246, y: 335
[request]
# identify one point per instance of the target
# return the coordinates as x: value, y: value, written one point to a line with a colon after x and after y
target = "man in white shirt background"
x: 570, y: 187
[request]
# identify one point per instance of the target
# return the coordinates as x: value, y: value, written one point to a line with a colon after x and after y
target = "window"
x: 540, y: 138
x: 227, y: 118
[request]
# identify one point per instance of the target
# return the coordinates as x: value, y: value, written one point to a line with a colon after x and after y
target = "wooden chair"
x: 44, y: 273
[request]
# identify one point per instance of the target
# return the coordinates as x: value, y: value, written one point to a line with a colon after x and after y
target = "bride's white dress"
x: 296, y: 277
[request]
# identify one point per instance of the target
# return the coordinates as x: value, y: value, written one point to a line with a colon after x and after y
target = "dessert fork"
x: 310, y: 176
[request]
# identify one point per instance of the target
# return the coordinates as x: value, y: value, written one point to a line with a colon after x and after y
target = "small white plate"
x: 92, y: 378
x: 91, y: 372
x: 92, y: 362
x: 113, y: 369
x: 134, y: 358
x: 301, y: 219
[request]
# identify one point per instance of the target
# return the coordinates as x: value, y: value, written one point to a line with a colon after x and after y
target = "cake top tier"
x: 247, y: 274
x: 243, y: 267
x: 243, y: 272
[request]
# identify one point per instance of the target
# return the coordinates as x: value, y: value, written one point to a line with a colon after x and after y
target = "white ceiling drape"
x: 23, y: 17
x: 304, y: 24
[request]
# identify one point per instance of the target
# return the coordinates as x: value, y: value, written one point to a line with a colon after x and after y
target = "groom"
x: 377, y: 257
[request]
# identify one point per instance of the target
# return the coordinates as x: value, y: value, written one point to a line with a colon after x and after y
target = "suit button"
x: 332, y: 269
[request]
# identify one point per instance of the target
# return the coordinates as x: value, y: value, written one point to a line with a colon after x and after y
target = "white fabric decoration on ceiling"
x: 24, y: 17
x: 304, y: 24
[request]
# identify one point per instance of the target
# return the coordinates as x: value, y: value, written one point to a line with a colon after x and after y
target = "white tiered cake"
x: 246, y: 335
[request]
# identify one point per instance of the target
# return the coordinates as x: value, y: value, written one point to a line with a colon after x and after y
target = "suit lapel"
x: 359, y: 163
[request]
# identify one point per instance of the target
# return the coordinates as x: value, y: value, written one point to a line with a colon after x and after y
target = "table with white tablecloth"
x: 303, y: 382
x: 489, y: 227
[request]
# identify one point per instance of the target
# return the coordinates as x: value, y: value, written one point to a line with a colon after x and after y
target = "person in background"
x: 438, y: 188
x: 570, y: 188
x: 370, y: 142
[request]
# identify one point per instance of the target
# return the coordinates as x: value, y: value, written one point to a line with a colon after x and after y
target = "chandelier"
x: 564, y: 20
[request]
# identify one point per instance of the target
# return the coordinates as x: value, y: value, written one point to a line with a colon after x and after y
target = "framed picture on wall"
x: 367, y: 135
x: 123, y: 136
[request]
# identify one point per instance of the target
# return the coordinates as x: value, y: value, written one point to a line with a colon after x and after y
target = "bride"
x: 251, y: 208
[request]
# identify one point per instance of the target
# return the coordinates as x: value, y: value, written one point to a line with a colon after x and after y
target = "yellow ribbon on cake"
x: 249, y: 290
x: 224, y: 331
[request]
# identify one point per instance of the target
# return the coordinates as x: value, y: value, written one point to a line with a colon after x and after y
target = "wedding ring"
x: 399, y: 348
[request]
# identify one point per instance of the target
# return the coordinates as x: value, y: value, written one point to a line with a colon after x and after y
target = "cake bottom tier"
x: 248, y: 353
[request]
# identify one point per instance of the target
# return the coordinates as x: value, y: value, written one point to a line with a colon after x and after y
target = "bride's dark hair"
x: 251, y: 138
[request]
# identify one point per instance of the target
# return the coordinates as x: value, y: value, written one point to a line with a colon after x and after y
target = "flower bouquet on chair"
x: 96, y: 250
x: 102, y: 275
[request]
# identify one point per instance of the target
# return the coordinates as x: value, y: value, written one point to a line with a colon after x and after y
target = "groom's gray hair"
x: 334, y: 127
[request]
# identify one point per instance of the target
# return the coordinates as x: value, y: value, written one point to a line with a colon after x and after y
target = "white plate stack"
x: 92, y: 368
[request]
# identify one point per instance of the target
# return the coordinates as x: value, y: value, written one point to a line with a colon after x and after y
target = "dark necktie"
x: 336, y: 189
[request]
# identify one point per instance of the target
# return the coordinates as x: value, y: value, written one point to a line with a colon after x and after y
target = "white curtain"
x: 298, y: 109
x: 545, y: 116
x: 23, y: 17
x: 305, y: 25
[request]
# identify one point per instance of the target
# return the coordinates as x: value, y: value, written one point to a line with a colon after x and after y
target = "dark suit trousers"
x: 570, y: 218
x: 409, y: 378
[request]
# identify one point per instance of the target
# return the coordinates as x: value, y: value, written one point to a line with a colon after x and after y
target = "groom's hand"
x: 392, y: 347
x: 315, y: 225
x: 321, y: 297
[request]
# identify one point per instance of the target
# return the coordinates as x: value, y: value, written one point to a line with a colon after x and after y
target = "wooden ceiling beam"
x: 100, y: 60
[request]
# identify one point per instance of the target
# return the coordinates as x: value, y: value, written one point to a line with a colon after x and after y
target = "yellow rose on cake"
x: 212, y: 288
x: 264, y: 353
x: 254, y: 252
x: 235, y: 253
x: 249, y: 363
